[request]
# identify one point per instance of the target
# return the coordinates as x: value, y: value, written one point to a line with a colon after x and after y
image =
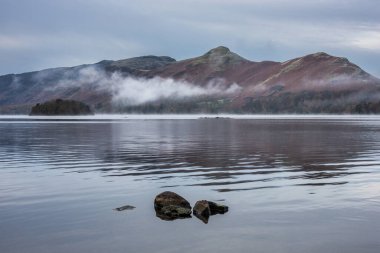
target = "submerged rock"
x: 126, y: 207
x: 171, y: 206
x: 203, y: 209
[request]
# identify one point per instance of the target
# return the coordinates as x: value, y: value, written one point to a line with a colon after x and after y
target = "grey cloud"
x: 39, y: 34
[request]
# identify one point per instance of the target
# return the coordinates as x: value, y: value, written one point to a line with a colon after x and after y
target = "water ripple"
x: 259, y: 154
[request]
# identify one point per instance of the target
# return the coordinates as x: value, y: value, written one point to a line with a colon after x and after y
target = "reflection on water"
x: 262, y: 167
x: 223, y: 154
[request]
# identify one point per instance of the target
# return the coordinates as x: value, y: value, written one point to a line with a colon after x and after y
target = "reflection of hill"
x: 220, y: 154
x: 226, y: 153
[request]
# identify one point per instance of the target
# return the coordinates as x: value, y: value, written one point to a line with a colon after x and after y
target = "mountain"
x: 315, y: 83
x: 19, y: 92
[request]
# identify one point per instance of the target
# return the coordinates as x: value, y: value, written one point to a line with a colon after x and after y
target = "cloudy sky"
x: 50, y: 33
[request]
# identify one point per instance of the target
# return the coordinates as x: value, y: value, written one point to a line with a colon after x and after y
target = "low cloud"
x: 136, y: 91
x: 133, y: 91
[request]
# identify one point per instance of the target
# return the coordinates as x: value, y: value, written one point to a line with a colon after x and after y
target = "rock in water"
x: 203, y: 209
x: 173, y: 212
x: 216, y: 208
x: 122, y: 208
x: 171, y: 206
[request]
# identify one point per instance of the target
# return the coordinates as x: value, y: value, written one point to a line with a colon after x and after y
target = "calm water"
x: 293, y: 184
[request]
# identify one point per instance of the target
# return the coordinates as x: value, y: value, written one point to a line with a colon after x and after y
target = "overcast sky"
x: 38, y: 34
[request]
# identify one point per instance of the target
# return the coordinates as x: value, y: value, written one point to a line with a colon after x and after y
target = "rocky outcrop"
x: 170, y: 206
x: 61, y: 107
x: 203, y: 209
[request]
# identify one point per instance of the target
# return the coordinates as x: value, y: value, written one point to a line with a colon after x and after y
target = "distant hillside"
x: 316, y: 83
x: 19, y: 92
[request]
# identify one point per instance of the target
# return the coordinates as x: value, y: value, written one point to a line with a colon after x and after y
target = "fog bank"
x: 135, y: 91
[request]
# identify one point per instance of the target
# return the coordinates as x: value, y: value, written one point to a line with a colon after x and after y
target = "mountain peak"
x: 221, y: 57
x: 321, y: 66
x: 321, y: 54
x: 221, y: 50
x: 331, y: 61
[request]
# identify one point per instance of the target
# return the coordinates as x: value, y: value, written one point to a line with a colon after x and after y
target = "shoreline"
x: 193, y: 116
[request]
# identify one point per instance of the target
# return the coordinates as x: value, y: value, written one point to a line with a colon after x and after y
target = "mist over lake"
x: 292, y: 183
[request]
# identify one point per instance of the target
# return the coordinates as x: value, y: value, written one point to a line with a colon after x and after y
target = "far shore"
x: 194, y: 116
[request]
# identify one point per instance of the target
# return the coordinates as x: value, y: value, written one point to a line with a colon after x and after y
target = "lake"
x: 292, y: 183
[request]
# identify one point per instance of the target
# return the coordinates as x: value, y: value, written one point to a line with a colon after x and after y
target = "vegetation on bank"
x: 61, y: 107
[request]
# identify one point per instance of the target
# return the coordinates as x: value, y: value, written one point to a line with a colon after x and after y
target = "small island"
x: 61, y: 107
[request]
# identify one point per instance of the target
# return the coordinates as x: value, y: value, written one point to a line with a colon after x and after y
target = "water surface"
x: 293, y: 183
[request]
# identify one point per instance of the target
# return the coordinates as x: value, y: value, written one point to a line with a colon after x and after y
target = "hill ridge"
x: 316, y: 73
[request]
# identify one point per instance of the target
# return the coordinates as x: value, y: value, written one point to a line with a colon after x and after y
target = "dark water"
x: 301, y: 184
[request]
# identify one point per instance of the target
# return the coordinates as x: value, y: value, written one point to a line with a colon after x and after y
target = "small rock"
x: 126, y: 207
x: 216, y: 208
x: 203, y: 209
x: 171, y: 206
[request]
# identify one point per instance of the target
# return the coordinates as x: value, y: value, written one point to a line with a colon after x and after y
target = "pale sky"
x: 38, y: 34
